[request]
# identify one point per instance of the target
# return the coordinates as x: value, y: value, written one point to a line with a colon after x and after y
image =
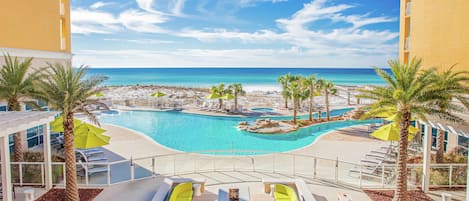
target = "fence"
x: 294, y: 165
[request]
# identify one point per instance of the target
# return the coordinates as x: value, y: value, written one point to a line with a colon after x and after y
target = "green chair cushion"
x: 284, y: 193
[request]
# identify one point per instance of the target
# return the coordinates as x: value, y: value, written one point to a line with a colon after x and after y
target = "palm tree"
x: 328, y: 88
x: 237, y: 90
x: 220, y: 91
x: 298, y: 92
x: 410, y: 91
x: 455, y: 84
x: 67, y: 91
x: 16, y: 87
x: 310, y: 83
x: 285, y: 81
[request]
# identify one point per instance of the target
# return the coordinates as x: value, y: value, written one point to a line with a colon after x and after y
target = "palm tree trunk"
x: 327, y: 107
x: 295, y: 109
x: 311, y: 99
x: 286, y: 102
x: 14, y: 105
x: 440, y: 146
x: 220, y: 102
x: 71, y: 188
x: 236, y: 102
x: 401, y: 191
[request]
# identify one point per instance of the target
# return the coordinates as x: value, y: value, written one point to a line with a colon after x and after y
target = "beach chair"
x: 92, y: 152
x: 90, y: 169
x: 80, y: 155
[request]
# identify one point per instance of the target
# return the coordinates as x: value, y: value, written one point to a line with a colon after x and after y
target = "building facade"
x: 38, y: 29
x: 435, y: 31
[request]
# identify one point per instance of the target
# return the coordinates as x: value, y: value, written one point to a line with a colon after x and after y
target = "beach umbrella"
x: 158, y: 94
x: 228, y: 96
x: 99, y: 94
x: 390, y: 132
x: 212, y: 96
x: 87, y: 139
x: 79, y: 126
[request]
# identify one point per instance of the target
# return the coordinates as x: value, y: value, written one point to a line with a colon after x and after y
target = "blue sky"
x: 234, y: 33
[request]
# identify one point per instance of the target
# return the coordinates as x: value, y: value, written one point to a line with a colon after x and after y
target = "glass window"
x: 3, y: 108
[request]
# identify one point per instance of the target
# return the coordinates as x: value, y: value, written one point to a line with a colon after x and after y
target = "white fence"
x: 294, y: 165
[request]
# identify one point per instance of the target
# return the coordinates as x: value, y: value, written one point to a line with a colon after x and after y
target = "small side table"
x: 344, y: 197
x: 197, y: 189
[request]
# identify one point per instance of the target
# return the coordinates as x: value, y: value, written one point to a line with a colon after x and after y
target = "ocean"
x: 251, y: 78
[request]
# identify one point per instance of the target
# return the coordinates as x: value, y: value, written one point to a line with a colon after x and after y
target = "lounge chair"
x: 90, y: 158
x: 182, y: 192
x: 166, y: 187
x: 302, y: 191
x: 90, y: 169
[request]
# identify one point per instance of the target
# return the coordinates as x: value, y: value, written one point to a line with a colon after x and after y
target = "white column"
x: 427, y: 155
x: 6, y: 169
x: 467, y: 171
x: 452, y: 142
x: 47, y: 157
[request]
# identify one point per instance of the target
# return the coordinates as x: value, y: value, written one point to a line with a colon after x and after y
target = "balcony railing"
x: 307, y: 166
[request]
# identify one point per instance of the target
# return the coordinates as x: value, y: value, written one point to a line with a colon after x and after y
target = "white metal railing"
x: 307, y: 166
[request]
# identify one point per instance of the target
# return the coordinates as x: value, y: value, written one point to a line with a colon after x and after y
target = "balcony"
x: 62, y: 8
x: 408, y: 8
x: 407, y: 43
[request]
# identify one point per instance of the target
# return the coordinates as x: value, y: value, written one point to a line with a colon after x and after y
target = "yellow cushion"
x: 284, y: 193
x: 182, y: 192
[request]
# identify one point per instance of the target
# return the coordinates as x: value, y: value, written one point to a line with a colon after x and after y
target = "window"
x: 3, y: 108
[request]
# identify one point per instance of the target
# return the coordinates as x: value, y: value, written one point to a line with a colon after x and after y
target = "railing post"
x: 294, y: 165
x: 108, y: 174
x: 450, y: 175
x: 174, y: 165
x: 273, y: 163
x: 42, y: 174
x: 337, y: 170
x: 382, y: 175
x: 314, y: 167
x: 360, y: 177
x: 21, y: 173
x: 195, y: 165
x: 86, y: 174
x: 64, y: 173
x: 153, y: 173
x: 132, y: 173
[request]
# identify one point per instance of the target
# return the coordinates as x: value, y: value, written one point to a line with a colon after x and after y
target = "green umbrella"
x: 158, y: 94
x: 390, y: 132
x: 228, y: 96
x: 212, y: 96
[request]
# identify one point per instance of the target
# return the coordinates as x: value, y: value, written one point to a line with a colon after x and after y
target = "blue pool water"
x: 195, y: 133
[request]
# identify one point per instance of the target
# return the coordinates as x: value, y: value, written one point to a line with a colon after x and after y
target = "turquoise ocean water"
x: 204, y: 77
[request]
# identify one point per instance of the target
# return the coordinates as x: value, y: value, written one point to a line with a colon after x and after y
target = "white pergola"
x: 452, y: 129
x: 13, y: 122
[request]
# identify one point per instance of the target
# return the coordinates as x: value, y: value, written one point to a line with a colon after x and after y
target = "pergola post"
x: 427, y: 155
x: 467, y: 174
x: 6, y: 169
x: 47, y: 157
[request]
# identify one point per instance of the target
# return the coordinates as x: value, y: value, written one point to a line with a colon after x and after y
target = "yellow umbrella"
x: 57, y: 124
x: 228, y: 96
x: 87, y: 140
x: 390, y: 132
x: 158, y: 94
x: 212, y: 96
x: 99, y: 94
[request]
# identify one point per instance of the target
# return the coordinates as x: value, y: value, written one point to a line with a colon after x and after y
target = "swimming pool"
x: 195, y: 133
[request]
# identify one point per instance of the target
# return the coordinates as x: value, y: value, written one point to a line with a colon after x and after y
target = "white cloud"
x: 140, y: 41
x: 142, y: 21
x: 86, y: 21
x: 292, y: 57
x: 100, y: 4
x: 298, y: 30
x: 163, y: 7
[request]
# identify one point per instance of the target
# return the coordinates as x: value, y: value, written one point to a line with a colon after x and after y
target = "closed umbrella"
x: 390, y: 132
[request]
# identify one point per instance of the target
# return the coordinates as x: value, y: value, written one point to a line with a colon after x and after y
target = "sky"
x: 234, y: 33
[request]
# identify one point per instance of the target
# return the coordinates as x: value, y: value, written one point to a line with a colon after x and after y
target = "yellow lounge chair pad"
x: 284, y: 193
x: 182, y: 192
